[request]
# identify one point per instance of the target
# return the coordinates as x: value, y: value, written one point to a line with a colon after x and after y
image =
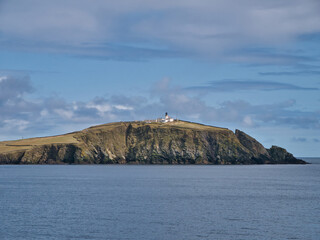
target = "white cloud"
x: 17, y: 124
x: 248, y: 122
x: 2, y: 78
x: 64, y: 113
x: 102, y: 108
x: 122, y: 107
x: 44, y: 113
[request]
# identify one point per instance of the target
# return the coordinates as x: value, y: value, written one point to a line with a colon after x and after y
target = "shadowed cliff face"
x: 148, y: 143
x: 280, y: 155
x: 259, y: 153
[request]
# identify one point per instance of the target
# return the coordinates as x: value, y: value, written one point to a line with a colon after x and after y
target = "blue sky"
x: 249, y: 65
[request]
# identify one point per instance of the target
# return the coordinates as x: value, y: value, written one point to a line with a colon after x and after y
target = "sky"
x: 251, y: 65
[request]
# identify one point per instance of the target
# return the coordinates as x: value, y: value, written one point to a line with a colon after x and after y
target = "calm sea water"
x: 160, y: 202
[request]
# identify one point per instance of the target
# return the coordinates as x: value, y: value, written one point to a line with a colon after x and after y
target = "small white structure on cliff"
x: 167, y: 118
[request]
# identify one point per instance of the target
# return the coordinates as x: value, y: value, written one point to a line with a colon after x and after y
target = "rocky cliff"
x: 178, y: 142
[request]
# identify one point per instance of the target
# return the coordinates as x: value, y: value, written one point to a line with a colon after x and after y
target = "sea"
x: 170, y: 202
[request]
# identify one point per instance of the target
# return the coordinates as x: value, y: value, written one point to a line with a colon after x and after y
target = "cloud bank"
x: 229, y: 85
x: 144, y: 29
x: 23, y: 115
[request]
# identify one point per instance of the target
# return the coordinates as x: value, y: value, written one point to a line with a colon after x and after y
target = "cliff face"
x: 145, y: 143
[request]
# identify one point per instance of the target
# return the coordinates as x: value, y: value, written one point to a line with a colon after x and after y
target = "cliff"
x: 177, y: 142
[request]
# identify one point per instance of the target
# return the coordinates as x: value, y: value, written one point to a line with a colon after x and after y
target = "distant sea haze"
x: 160, y: 202
x: 312, y: 160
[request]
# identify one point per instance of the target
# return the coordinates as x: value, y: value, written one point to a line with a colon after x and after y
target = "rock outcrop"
x: 280, y: 155
x: 145, y: 143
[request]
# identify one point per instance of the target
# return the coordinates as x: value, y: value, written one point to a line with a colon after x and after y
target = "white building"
x: 167, y: 118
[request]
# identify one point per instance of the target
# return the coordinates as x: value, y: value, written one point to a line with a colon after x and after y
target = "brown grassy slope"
x: 26, y: 144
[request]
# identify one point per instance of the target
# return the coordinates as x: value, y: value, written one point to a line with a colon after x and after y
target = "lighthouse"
x: 167, y: 118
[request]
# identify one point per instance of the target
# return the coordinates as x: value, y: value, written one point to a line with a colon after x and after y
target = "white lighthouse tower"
x: 167, y: 118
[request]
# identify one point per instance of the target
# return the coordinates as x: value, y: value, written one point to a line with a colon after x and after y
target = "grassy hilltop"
x: 178, y: 142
